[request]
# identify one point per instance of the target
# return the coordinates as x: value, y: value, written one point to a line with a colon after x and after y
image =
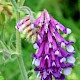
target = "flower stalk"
x: 18, y: 46
x: 18, y: 50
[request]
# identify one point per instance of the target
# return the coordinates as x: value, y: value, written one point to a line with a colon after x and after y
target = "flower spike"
x: 52, y: 59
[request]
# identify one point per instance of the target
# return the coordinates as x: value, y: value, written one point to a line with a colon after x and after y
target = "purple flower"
x: 26, y: 27
x: 54, y: 53
x: 24, y: 23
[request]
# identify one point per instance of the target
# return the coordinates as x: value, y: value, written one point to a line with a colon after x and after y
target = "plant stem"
x: 18, y: 45
x: 18, y: 50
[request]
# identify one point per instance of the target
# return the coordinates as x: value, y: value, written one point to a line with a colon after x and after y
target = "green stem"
x: 18, y: 47
x: 14, y: 5
x: 18, y: 50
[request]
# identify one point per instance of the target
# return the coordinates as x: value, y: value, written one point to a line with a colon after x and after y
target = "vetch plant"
x: 54, y: 55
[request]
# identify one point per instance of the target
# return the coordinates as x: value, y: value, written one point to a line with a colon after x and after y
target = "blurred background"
x: 65, y: 11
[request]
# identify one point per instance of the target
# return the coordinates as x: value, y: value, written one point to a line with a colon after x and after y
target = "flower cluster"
x: 26, y: 27
x: 54, y: 56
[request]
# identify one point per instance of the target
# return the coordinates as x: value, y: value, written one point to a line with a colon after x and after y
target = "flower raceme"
x: 54, y: 56
x: 26, y: 27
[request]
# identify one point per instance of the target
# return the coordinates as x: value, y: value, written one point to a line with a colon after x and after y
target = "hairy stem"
x: 18, y: 47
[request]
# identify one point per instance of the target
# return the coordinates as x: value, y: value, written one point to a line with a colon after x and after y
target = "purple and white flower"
x: 51, y: 59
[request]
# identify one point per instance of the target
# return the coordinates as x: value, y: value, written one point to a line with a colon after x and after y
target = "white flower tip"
x: 71, y: 59
x: 46, y: 25
x: 58, y: 27
x: 44, y: 74
x: 35, y: 46
x: 50, y: 45
x: 48, y: 17
x: 39, y: 37
x: 53, y: 64
x: 46, y: 30
x: 20, y: 30
x: 70, y: 48
x: 53, y: 34
x: 61, y: 72
x: 46, y: 57
x: 32, y: 26
x: 63, y: 60
x: 40, y: 24
x: 67, y: 71
x: 62, y: 44
x: 37, y: 62
x: 68, y: 31
x: 56, y: 52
